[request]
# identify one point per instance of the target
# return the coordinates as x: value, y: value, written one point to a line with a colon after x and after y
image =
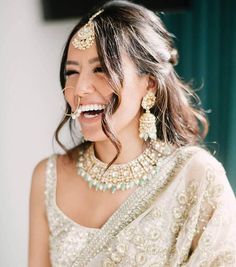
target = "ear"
x: 151, y: 83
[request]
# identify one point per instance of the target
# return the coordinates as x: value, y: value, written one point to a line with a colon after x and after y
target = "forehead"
x: 78, y: 54
x: 91, y: 55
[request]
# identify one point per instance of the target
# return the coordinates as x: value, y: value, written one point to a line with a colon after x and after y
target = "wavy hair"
x: 131, y: 28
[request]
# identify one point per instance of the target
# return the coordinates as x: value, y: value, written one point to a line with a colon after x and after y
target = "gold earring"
x: 147, y: 126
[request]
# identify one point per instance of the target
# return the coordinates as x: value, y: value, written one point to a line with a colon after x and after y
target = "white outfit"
x: 189, y: 198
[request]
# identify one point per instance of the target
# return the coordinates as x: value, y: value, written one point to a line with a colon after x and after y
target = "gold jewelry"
x: 121, y: 176
x: 85, y: 37
x: 77, y: 111
x: 147, y: 126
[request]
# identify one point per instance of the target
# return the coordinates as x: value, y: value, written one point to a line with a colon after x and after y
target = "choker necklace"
x: 121, y: 176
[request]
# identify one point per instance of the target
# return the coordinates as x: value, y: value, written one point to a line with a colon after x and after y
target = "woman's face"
x: 86, y: 79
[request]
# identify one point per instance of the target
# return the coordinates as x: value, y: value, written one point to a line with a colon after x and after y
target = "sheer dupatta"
x: 184, y: 216
x: 139, y: 203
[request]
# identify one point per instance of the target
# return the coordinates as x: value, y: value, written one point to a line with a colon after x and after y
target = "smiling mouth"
x: 91, y: 111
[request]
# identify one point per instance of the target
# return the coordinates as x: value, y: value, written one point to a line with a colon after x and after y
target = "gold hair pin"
x: 86, y: 35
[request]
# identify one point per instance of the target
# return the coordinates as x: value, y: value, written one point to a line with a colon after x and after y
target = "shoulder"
x: 38, y: 186
x: 41, y: 167
x: 39, y: 176
x: 202, y: 166
x: 206, y: 174
x: 201, y: 158
x: 40, y: 171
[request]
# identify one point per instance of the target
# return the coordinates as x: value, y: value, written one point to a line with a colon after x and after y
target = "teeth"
x: 90, y: 116
x: 91, y: 107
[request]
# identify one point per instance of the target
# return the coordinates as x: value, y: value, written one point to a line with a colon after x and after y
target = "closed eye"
x: 70, y: 72
x: 98, y: 69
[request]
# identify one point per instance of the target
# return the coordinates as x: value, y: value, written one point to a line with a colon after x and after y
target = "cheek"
x: 103, y: 89
x: 131, y: 98
x: 70, y: 99
x: 129, y: 107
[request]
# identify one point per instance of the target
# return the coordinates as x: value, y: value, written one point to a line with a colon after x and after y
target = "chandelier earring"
x: 147, y: 121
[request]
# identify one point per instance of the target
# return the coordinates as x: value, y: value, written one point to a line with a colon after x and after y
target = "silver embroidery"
x: 66, y: 237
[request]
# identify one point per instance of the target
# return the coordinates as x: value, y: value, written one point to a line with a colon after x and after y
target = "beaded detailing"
x: 66, y: 237
x: 166, y: 169
x: 85, y: 37
x: 121, y: 176
x: 149, y: 237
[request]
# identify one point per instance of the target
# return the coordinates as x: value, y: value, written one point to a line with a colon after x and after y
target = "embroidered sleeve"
x: 212, y: 230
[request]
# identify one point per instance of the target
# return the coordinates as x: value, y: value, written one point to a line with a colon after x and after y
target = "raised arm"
x: 38, y: 255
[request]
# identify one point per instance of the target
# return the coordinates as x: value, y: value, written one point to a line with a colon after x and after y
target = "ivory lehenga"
x: 184, y: 216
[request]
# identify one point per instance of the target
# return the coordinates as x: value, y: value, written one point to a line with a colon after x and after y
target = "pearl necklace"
x: 121, y: 176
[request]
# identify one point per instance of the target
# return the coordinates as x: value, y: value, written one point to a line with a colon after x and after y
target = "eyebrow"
x: 91, y: 61
x: 71, y: 62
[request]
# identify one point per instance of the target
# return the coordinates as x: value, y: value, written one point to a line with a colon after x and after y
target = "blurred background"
x: 33, y: 34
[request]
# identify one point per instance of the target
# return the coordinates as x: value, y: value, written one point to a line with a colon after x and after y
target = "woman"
x: 139, y: 190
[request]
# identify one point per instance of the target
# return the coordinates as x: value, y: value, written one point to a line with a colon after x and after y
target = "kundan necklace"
x: 120, y: 176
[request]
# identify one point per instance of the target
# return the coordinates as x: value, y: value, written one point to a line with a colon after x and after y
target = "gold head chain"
x: 85, y: 37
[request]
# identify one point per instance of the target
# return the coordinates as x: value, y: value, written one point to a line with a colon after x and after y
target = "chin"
x: 97, y: 136
x: 92, y: 130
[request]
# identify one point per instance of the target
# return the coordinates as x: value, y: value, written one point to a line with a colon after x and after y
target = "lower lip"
x: 84, y: 119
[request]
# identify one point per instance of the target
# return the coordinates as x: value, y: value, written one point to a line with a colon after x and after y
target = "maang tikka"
x: 85, y: 37
x: 147, y: 126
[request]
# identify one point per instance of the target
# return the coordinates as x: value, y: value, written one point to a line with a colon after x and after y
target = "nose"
x: 83, y: 86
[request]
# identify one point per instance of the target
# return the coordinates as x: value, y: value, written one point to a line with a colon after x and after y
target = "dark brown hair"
x: 131, y: 28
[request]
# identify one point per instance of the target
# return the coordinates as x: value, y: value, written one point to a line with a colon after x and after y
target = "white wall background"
x: 30, y: 109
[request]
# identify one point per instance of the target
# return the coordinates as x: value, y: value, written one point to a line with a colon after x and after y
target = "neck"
x: 132, y: 147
